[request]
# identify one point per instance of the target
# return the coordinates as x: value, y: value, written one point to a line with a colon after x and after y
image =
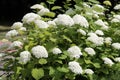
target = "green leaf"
x: 97, y: 65
x: 88, y: 61
x: 50, y: 14
x: 51, y: 71
x: 63, y: 69
x: 63, y: 57
x: 67, y: 38
x: 18, y: 70
x: 59, y: 61
x: 37, y: 73
x: 56, y: 7
x: 42, y: 61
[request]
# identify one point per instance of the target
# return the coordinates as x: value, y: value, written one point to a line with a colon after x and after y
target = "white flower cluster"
x: 75, y: 67
x: 116, y: 45
x: 42, y: 10
x: 108, y: 40
x: 82, y: 32
x: 56, y: 51
x: 108, y: 61
x: 99, y: 22
x: 37, y: 6
x: 17, y: 25
x: 41, y: 24
x: 78, y: 19
x: 89, y: 71
x: 39, y: 51
x: 24, y: 57
x: 63, y: 19
x: 74, y: 52
x: 116, y: 18
x: 99, y: 32
x: 11, y: 33
x: 117, y: 59
x: 90, y: 51
x: 30, y: 17
x: 16, y: 44
x: 117, y: 7
x: 95, y: 39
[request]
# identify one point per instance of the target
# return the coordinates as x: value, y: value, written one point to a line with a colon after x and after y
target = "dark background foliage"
x: 13, y: 10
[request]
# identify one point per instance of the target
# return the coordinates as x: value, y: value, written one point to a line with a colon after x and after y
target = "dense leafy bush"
x: 79, y: 44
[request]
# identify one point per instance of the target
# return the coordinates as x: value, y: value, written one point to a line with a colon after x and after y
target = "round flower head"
x: 30, y: 17
x: 11, y: 33
x: 90, y: 51
x: 52, y: 23
x: 108, y: 61
x: 63, y: 19
x: 117, y: 7
x: 17, y: 25
x: 89, y: 71
x: 114, y: 20
x: 116, y: 17
x: 95, y: 39
x: 24, y: 57
x: 99, y: 32
x: 56, y: 51
x: 75, y: 67
x: 22, y: 29
x: 16, y: 44
x: 39, y: 52
x: 74, y: 51
x: 108, y: 40
x: 78, y: 19
x: 41, y: 24
x: 81, y: 31
x: 37, y: 6
x: 99, y: 22
x: 43, y: 11
x: 116, y: 46
x: 117, y: 59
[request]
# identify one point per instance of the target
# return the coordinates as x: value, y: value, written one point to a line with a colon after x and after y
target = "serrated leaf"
x: 37, y: 73
x: 51, y: 71
x: 56, y: 7
x: 50, y: 14
x: 42, y: 61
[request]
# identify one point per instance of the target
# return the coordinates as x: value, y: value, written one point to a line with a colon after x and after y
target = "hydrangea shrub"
x: 67, y: 47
